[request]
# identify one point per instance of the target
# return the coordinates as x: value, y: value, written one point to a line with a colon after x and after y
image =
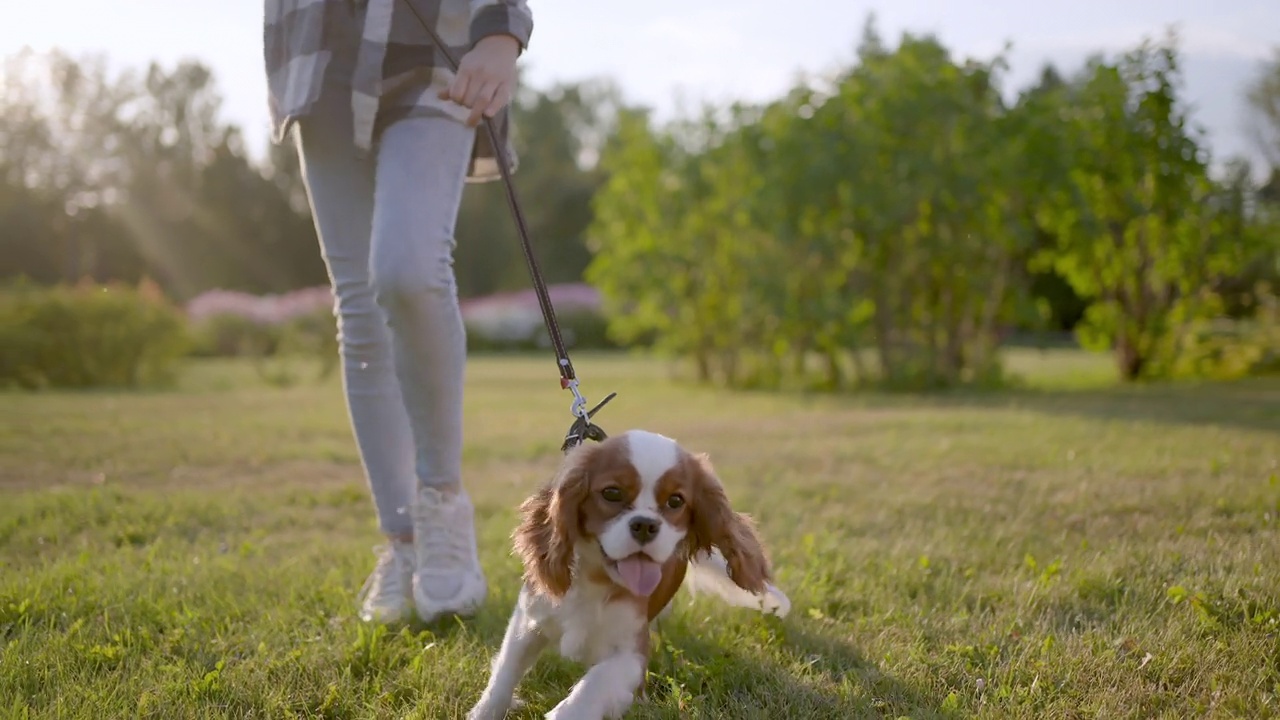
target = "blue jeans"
x: 386, y: 225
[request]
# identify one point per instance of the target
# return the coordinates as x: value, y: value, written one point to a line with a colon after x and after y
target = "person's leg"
x: 340, y: 189
x: 421, y: 171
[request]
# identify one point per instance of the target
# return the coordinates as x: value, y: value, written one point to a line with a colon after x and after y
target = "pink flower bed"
x: 516, y: 315
x: 514, y: 312
x: 261, y: 309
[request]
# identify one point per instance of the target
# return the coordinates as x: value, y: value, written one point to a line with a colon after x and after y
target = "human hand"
x: 486, y: 77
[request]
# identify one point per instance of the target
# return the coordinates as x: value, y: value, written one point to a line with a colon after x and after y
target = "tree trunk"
x: 884, y: 332
x: 859, y: 365
x: 834, y: 375
x: 986, y: 340
x: 703, y: 365
x: 1130, y: 359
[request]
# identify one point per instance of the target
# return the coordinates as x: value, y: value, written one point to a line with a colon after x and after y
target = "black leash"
x: 582, y: 428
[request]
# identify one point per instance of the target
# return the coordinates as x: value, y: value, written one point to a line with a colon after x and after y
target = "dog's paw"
x: 774, y: 601
x: 569, y: 711
x: 490, y: 709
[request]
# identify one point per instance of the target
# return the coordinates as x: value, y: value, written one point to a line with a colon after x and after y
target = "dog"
x: 605, y: 545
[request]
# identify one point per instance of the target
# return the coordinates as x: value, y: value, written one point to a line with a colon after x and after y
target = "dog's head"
x: 632, y: 504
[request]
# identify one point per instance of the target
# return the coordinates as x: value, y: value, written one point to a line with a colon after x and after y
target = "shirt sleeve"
x: 501, y: 17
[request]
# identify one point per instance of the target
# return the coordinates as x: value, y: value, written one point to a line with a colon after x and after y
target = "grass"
x: 1067, y: 550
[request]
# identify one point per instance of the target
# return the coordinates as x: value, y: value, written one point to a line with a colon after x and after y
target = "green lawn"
x: 1066, y: 550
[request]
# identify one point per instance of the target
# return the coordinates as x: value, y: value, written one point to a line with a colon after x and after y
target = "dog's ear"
x: 716, y: 525
x: 550, y: 526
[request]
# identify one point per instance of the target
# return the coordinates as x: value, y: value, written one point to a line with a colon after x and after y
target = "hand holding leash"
x: 486, y: 77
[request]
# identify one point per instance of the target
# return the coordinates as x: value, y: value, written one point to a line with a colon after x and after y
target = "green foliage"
x: 557, y: 133
x: 581, y: 329
x: 1252, y: 215
x: 282, y: 353
x: 233, y: 335
x: 656, y: 281
x: 888, y: 210
x: 117, y: 175
x: 120, y: 175
x: 1263, y: 98
x: 88, y: 336
x: 892, y: 224
x: 1138, y: 224
x: 931, y: 175
x: 1226, y: 349
x: 889, y: 224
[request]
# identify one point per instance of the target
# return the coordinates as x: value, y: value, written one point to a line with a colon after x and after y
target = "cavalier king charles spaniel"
x: 605, y: 546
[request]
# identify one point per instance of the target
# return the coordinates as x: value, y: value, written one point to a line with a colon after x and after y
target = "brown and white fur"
x: 605, y: 546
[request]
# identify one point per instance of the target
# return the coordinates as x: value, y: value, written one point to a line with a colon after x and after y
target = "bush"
x: 302, y: 343
x: 227, y: 335
x: 581, y: 328
x: 281, y: 334
x: 279, y: 351
x: 88, y: 336
x: 1227, y: 349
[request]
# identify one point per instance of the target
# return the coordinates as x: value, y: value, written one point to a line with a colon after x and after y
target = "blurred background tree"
x: 116, y: 177
x: 897, y: 222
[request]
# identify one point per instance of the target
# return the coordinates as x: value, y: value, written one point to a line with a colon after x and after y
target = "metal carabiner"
x: 582, y: 427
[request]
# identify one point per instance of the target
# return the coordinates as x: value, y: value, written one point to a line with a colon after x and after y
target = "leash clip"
x: 578, y: 408
x: 582, y: 427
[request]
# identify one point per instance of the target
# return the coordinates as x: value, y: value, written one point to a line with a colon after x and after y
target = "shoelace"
x: 440, y: 543
x: 384, y: 575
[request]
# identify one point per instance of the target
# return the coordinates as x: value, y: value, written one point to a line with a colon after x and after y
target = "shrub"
x: 582, y: 329
x: 299, y: 343
x: 88, y: 336
x: 513, y: 321
x: 228, y: 335
x: 278, y: 333
x: 1226, y: 349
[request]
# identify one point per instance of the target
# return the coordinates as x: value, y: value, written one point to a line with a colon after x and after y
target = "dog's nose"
x: 644, y: 529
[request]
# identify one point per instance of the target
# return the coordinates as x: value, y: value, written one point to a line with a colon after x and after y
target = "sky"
x: 670, y: 54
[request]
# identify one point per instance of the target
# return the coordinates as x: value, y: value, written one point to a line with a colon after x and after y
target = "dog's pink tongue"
x: 640, y: 574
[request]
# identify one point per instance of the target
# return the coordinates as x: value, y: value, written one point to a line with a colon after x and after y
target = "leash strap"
x: 582, y: 428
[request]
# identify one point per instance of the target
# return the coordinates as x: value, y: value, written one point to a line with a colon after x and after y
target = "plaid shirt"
x: 398, y: 72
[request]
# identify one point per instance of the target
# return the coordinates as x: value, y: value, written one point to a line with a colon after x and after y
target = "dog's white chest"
x: 588, y: 628
x: 613, y: 630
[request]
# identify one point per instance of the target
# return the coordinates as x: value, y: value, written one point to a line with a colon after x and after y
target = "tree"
x: 1263, y: 99
x: 117, y: 177
x: 1138, y: 227
x: 883, y: 208
x: 931, y: 194
x: 638, y: 246
x: 57, y: 116
x: 1035, y: 128
x: 557, y: 134
x: 132, y: 174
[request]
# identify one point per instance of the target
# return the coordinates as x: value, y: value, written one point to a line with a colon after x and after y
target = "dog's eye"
x: 675, y: 502
x: 612, y: 494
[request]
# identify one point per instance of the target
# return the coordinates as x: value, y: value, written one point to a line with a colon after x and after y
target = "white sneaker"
x: 387, y: 596
x: 447, y: 578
